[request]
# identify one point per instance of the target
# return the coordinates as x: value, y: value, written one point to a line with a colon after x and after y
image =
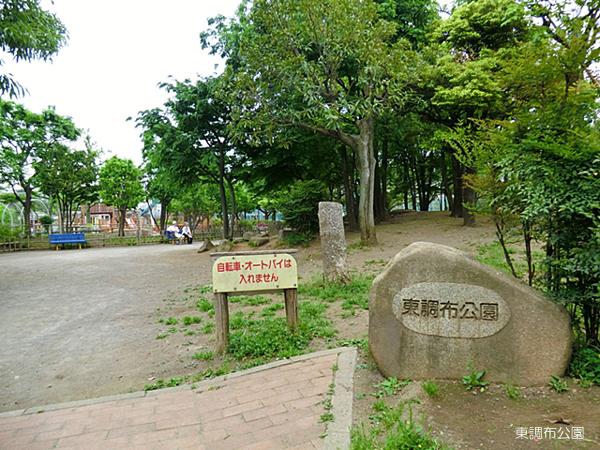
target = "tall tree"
x: 121, y: 187
x: 24, y: 136
x: 191, y: 141
x: 28, y: 32
x: 69, y: 177
x: 328, y: 66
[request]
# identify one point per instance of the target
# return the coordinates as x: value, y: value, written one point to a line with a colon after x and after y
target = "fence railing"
x: 132, y: 237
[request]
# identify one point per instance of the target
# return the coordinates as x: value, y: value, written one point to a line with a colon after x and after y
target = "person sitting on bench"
x: 173, y: 229
x: 187, y: 233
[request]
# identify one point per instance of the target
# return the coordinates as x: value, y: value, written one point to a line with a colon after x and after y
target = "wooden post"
x: 291, y: 307
x: 222, y: 321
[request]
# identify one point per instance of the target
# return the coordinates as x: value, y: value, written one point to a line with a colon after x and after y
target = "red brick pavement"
x: 275, y: 408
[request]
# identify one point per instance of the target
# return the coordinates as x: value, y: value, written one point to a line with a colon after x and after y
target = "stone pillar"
x: 333, y: 241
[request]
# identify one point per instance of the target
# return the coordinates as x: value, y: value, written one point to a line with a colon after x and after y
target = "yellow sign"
x: 243, y: 273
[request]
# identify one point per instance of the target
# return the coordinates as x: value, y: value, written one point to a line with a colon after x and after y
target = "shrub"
x: 300, y: 206
x: 585, y: 365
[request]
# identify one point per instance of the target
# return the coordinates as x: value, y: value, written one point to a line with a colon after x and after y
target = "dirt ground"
x: 77, y: 324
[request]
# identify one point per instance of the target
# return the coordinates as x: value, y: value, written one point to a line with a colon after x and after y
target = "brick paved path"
x: 273, y: 408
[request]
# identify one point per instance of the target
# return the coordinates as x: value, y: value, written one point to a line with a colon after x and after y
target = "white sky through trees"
x: 117, y: 53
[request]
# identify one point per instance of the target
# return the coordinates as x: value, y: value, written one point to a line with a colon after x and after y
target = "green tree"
x: 24, y: 136
x: 28, y: 32
x: 121, y: 187
x: 68, y: 177
x: 189, y: 140
x: 330, y: 67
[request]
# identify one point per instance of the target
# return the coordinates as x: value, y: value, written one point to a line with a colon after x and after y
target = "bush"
x: 585, y: 365
x: 300, y: 206
x: 8, y: 233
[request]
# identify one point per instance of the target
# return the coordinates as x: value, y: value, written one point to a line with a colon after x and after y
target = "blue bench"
x: 66, y: 238
x: 170, y: 237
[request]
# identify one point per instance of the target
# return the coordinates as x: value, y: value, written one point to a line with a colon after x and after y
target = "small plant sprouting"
x: 389, y: 386
x: 431, y: 388
x: 474, y: 380
x: 205, y: 305
x: 204, y: 356
x: 512, y: 391
x: 557, y: 384
x: 187, y: 320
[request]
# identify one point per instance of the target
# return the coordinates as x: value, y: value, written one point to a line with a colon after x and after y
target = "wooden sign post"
x: 253, y: 272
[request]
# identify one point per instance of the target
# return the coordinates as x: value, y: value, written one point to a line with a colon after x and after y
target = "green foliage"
x: 557, y: 384
x: 69, y: 177
x: 431, y: 388
x: 353, y: 294
x: 28, y: 32
x: 474, y: 380
x: 585, y: 365
x: 189, y: 320
x: 393, y: 429
x: 389, y: 386
x: 270, y: 337
x: 8, y: 233
x: 300, y: 206
x: 24, y: 138
x: 297, y: 239
x: 120, y: 183
x: 513, y: 392
x: 204, y: 356
x: 161, y: 384
x: 205, y: 305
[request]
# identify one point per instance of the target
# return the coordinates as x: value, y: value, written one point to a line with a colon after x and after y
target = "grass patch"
x: 208, y: 328
x: 204, y: 356
x: 189, y: 320
x: 431, y: 388
x: 270, y: 310
x: 205, y: 305
x: 353, y: 295
x: 389, y: 386
x: 585, y: 365
x: 270, y: 337
x: 247, y: 300
x: 393, y: 429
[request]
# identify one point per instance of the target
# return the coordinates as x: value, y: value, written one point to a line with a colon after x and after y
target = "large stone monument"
x: 333, y: 241
x: 434, y: 312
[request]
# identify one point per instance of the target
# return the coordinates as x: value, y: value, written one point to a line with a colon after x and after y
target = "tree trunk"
x: 469, y: 199
x: 233, y: 207
x: 164, y: 207
x: 445, y: 181
x: 224, y: 212
x: 457, y: 200
x: 122, y: 215
x: 366, y: 167
x: 348, y: 174
x: 27, y: 210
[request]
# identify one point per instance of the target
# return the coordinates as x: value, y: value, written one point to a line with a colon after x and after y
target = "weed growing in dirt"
x: 557, y: 384
x: 431, y: 388
x: 162, y: 335
x: 585, y: 365
x: 204, y: 356
x: 354, y: 294
x: 169, y: 321
x: 512, y: 391
x: 474, y: 380
x: 270, y: 310
x: 393, y: 430
x: 250, y: 300
x: 208, y: 328
x: 389, y: 386
x: 189, y: 320
x: 205, y: 305
x: 270, y: 337
x: 361, y: 343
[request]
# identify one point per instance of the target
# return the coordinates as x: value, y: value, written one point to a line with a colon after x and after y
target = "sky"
x: 117, y: 53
